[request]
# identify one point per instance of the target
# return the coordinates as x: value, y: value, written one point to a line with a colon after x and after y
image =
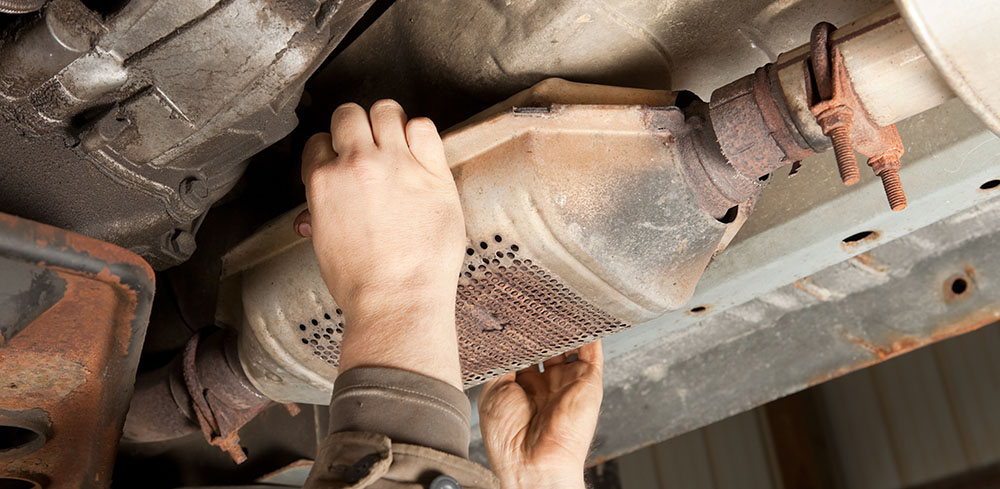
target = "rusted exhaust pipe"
x: 202, y: 389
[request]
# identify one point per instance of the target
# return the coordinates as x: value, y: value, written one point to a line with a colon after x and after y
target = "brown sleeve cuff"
x: 355, y: 460
x: 406, y: 407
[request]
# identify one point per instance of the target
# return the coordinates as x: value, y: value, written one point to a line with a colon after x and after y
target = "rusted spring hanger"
x: 842, y: 117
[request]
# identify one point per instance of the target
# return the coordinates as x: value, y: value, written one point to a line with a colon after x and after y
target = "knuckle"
x: 317, y: 174
x: 353, y: 158
x: 422, y: 124
x: 386, y: 105
x: 347, y: 106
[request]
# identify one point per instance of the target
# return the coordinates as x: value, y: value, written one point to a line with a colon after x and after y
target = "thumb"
x: 303, y: 224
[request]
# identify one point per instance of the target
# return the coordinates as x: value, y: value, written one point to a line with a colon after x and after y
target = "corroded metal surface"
x: 68, y: 375
x: 204, y: 389
x: 842, y: 117
x: 754, y: 127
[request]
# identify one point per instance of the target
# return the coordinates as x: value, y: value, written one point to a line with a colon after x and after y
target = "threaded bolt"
x: 893, y: 188
x: 847, y: 164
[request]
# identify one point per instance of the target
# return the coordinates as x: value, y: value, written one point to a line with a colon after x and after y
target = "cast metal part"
x: 128, y: 128
x: 204, y: 389
x: 68, y: 375
x: 582, y: 220
x: 20, y: 6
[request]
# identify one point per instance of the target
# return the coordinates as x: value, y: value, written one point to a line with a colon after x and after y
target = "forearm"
x: 406, y: 331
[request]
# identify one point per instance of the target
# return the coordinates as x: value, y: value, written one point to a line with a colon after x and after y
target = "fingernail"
x: 304, y: 229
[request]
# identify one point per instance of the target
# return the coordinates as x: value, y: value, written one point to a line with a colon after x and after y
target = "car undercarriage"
x: 686, y: 179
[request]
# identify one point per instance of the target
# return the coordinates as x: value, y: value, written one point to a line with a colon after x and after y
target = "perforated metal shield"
x: 511, y: 311
x: 582, y: 220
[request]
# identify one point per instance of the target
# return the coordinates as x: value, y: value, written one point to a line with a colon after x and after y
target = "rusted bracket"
x: 68, y: 373
x: 841, y: 115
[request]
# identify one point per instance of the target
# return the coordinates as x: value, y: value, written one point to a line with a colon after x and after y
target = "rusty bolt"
x: 887, y: 166
x: 835, y: 120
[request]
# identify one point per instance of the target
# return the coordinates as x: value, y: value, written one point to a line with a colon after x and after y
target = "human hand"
x: 388, y: 232
x: 537, y: 426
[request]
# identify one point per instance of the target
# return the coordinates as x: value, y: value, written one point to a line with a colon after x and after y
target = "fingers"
x: 490, y: 387
x: 426, y: 146
x: 556, y: 360
x: 303, y: 224
x: 318, y: 150
x: 388, y: 124
x: 350, y: 129
x: 593, y: 354
x: 532, y: 381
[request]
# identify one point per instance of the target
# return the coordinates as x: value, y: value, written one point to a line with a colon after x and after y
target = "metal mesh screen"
x: 511, y: 313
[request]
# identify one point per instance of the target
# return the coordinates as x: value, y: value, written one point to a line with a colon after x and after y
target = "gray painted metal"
x: 844, y: 317
x: 928, y: 415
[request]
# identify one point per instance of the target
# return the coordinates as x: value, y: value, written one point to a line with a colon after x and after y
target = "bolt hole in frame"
x: 959, y: 286
x: 9, y: 483
x: 698, y: 310
x: 990, y: 185
x: 860, y: 236
x: 15, y: 438
x: 731, y: 215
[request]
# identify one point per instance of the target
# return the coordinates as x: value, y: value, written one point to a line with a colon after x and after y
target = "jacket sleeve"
x: 392, y: 428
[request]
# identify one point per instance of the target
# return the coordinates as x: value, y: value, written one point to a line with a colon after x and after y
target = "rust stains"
x: 958, y: 287
x: 882, y: 351
x: 866, y: 262
x: 842, y: 117
x: 76, y: 361
x: 885, y: 352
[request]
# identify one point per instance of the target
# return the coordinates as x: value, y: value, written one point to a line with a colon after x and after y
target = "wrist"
x: 382, y: 331
x: 559, y: 478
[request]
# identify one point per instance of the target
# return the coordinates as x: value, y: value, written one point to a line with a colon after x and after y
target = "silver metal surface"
x: 763, y: 333
x: 961, y: 40
x: 890, y: 73
x: 485, y: 50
